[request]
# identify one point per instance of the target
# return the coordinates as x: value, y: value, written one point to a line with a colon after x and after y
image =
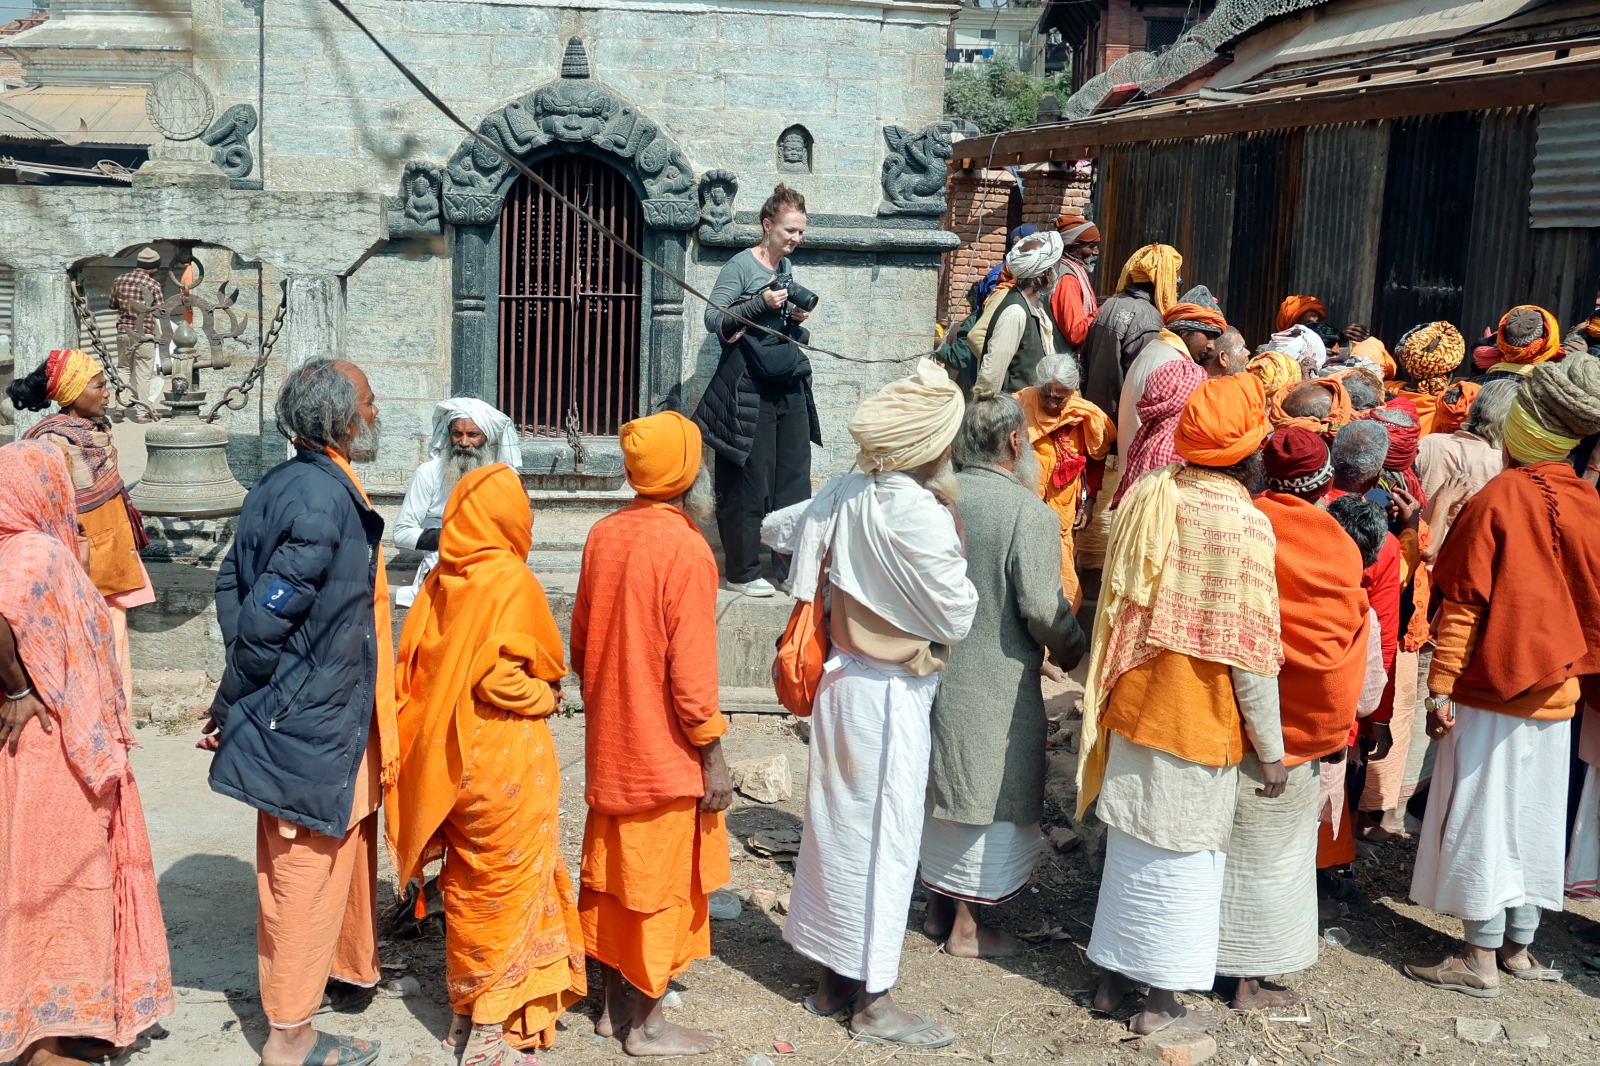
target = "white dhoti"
x: 1269, y: 894
x: 870, y: 747
x: 979, y: 863
x: 1156, y: 922
x: 1497, y: 815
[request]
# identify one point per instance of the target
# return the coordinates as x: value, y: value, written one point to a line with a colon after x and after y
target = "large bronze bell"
x: 186, y: 474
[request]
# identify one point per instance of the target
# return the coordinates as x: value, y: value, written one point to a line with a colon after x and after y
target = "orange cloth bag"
x: 803, y: 648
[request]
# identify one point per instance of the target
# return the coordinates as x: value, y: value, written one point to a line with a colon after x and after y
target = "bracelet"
x: 13, y: 697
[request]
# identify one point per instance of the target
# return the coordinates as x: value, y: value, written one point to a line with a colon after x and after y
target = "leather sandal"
x: 1535, y: 971
x: 1447, y: 976
x: 921, y: 1034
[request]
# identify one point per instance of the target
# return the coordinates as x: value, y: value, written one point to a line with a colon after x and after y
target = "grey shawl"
x: 988, y: 719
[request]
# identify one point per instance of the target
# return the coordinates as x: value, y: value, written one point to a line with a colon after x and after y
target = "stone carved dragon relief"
x: 572, y: 110
x: 230, y: 137
x: 914, y: 171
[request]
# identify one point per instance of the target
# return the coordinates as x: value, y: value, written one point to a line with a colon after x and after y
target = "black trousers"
x: 777, y: 474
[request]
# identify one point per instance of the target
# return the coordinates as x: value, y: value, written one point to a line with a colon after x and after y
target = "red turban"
x: 1298, y: 460
x: 1224, y: 421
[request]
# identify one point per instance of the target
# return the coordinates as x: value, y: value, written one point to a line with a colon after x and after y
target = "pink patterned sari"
x: 83, y: 950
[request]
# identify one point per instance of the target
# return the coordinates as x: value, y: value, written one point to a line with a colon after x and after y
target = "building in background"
x: 1098, y: 33
x: 1009, y: 31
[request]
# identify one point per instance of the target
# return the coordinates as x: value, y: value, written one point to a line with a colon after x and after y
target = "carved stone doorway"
x: 570, y: 305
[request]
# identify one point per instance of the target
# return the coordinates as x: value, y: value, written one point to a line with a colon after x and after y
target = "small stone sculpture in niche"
x: 795, y: 151
x: 717, y: 190
x: 419, y: 208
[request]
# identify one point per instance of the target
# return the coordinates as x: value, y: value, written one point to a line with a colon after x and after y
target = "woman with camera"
x: 758, y: 413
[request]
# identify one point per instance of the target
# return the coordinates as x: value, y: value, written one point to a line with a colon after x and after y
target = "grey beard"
x: 944, y: 482
x: 364, y: 445
x: 1026, y: 470
x: 1090, y: 262
x: 700, y: 502
x: 459, y: 462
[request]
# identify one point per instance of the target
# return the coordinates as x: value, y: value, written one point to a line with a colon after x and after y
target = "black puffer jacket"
x: 294, y: 599
x: 732, y: 403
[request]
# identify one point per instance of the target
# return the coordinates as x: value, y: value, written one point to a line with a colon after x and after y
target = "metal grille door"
x: 570, y: 301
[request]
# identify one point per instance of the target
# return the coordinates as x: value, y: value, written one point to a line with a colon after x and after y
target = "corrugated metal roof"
x: 47, y: 114
x: 1565, y: 192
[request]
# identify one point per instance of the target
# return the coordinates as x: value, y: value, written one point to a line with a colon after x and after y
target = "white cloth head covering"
x: 909, y: 421
x: 1033, y: 256
x: 1298, y: 341
x: 496, y: 426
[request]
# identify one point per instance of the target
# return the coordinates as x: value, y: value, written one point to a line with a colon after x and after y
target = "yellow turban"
x: 1154, y: 264
x: 1276, y: 371
x: 661, y: 454
x: 1530, y: 441
x: 67, y: 373
x: 909, y: 422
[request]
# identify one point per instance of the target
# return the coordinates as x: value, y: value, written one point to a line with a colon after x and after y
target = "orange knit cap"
x: 661, y: 454
x: 1224, y: 421
x: 1293, y: 307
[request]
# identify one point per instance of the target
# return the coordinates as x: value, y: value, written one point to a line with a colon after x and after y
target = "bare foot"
x: 1154, y: 1021
x: 460, y: 1030
x: 662, y: 1038
x: 1052, y: 672
x: 1114, y: 988
x: 941, y: 916
x: 983, y: 942
x: 293, y: 1047
x: 48, y: 1053
x: 613, y: 1003
x: 1257, y: 994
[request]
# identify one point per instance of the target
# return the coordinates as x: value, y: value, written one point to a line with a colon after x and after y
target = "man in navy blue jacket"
x: 294, y: 722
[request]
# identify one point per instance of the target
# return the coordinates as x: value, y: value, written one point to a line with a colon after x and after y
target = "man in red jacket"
x: 1073, y: 304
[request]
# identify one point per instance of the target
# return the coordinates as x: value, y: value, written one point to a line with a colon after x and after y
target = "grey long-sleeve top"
x: 738, y: 288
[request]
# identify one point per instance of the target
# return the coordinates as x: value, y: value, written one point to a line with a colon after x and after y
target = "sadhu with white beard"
x: 467, y: 434
x: 899, y: 597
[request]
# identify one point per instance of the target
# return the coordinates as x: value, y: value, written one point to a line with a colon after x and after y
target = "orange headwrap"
x: 1537, y: 350
x: 67, y: 373
x: 661, y: 454
x: 1340, y: 411
x: 1293, y: 307
x: 1157, y: 265
x: 1448, y: 416
x: 1276, y: 371
x: 1224, y: 421
x: 1373, y: 351
x: 1075, y: 229
x: 1193, y: 315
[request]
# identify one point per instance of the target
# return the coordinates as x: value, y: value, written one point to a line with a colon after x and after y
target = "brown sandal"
x: 1449, y: 976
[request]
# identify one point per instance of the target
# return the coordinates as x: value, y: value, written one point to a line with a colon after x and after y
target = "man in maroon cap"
x: 1269, y: 896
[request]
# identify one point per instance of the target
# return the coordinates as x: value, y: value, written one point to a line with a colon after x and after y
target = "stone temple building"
x: 294, y: 162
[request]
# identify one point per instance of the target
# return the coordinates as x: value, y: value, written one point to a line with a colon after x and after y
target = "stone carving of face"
x: 793, y: 147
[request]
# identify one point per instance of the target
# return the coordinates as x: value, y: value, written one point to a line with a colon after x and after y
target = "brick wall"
x: 979, y: 201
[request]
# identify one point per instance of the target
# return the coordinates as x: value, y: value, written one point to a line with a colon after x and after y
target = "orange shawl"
x: 1427, y: 405
x: 1323, y: 609
x: 1449, y: 416
x: 481, y: 619
x: 1089, y: 434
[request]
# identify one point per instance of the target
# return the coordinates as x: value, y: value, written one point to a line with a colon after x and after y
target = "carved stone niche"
x: 416, y: 212
x: 573, y: 110
x: 915, y: 169
x: 796, y: 149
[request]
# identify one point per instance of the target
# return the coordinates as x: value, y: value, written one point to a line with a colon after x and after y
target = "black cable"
x: 448, y: 112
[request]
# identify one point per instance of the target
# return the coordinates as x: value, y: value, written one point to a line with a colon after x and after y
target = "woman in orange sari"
x: 479, y: 785
x: 73, y: 380
x: 83, y: 950
x: 1070, y: 438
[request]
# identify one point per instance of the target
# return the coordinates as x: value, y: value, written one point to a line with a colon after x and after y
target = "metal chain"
x: 123, y: 394
x: 238, y: 395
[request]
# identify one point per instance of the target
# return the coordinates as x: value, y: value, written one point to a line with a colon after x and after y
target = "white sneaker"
x: 760, y: 588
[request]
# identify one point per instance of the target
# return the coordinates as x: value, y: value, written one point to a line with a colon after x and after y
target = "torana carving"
x: 230, y: 136
x: 915, y: 169
x: 572, y: 110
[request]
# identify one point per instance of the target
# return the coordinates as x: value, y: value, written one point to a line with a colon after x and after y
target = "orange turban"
x: 1157, y: 265
x: 1224, y: 421
x: 67, y: 373
x: 1373, y: 351
x: 1195, y: 316
x: 661, y: 454
x: 1448, y: 416
x: 1276, y: 371
x: 1075, y: 229
x: 1293, y: 307
x: 1538, y: 350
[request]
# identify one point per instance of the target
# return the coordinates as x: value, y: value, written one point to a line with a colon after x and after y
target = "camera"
x: 799, y: 296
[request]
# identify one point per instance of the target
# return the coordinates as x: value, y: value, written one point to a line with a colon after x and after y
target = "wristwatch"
x: 1433, y: 703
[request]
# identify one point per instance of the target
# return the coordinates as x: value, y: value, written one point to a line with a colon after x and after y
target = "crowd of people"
x: 1329, y: 584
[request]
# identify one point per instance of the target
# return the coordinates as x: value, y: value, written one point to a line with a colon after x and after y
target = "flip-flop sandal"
x: 1537, y: 972
x: 346, y: 1048
x: 342, y: 997
x: 810, y: 1004
x: 920, y: 1035
x: 1452, y: 980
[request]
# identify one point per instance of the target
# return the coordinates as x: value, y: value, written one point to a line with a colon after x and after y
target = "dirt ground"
x: 1359, y: 1007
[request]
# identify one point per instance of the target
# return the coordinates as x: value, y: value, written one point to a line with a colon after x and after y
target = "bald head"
x: 1308, y: 401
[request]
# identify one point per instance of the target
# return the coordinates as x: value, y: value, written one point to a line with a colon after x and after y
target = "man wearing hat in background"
x: 1021, y: 333
x: 137, y: 288
x: 1073, y: 304
x: 644, y: 641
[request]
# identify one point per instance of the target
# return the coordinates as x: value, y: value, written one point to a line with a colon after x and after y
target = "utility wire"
x: 449, y: 113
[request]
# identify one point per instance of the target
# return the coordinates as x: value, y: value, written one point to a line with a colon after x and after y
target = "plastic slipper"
x: 810, y: 1004
x: 1445, y: 976
x: 346, y: 1048
x: 921, y: 1034
x: 1537, y: 972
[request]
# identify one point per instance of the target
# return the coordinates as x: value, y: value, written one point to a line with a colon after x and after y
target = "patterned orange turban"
x: 1276, y: 371
x: 1538, y: 350
x: 1293, y: 307
x: 1154, y: 264
x: 1224, y: 421
x: 67, y: 373
x: 1430, y: 352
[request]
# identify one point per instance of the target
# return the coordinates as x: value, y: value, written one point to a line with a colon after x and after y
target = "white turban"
x: 1297, y: 342
x: 1034, y: 255
x: 910, y: 421
x: 496, y: 426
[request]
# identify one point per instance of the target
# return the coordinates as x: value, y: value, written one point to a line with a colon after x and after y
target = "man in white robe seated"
x: 986, y: 794
x: 467, y: 434
x: 899, y: 598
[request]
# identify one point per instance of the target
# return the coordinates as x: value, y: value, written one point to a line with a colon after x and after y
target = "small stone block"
x: 1178, y: 1047
x: 1063, y: 839
x: 1521, y: 1034
x: 1477, y: 1030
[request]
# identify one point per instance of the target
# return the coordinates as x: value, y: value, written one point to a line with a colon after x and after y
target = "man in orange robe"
x: 644, y: 640
x: 479, y: 782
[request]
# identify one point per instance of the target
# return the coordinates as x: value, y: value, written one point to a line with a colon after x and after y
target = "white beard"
x: 1026, y: 470
x: 700, y: 502
x: 944, y: 482
x: 364, y: 445
x: 459, y: 462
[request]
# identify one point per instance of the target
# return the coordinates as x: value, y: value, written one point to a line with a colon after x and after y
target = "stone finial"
x: 575, y: 63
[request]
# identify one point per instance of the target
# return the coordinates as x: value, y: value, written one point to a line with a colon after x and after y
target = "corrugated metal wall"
x: 1391, y: 224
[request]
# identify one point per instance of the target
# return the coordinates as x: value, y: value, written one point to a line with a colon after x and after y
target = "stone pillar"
x: 41, y: 321
x: 661, y: 368
x: 313, y: 327
x: 474, y: 369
